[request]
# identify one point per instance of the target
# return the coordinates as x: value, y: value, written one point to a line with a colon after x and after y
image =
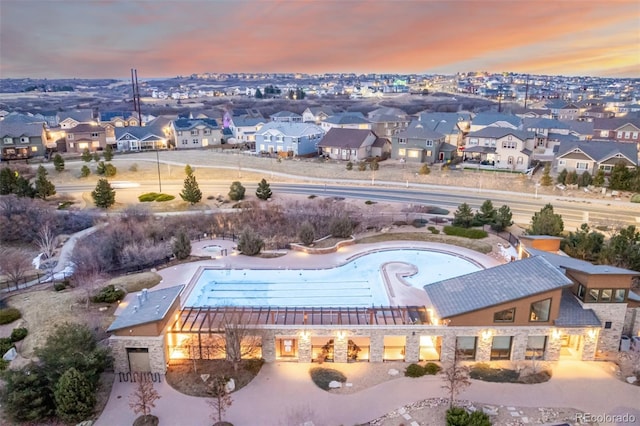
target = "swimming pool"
x: 358, y: 283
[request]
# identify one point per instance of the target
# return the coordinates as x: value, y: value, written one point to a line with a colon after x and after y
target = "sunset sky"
x: 165, y: 38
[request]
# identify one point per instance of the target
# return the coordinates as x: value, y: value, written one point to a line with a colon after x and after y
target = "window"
x: 185, y: 141
x: 509, y: 145
x: 592, y: 296
x: 414, y: 154
x: 619, y: 135
x: 618, y: 295
x: 94, y: 135
x: 605, y: 295
x: 581, y: 291
x: 70, y: 136
x: 402, y: 152
x: 604, y: 133
x: 429, y: 143
x: 505, y: 316
x: 607, y: 324
x: 195, y: 141
x: 8, y: 140
x: 510, y: 160
x: 634, y: 135
x: 466, y: 347
x: 24, y: 139
x: 627, y: 135
x: 179, y: 132
x: 540, y: 311
x: 520, y: 160
x: 582, y: 166
x: 535, y: 347
x: 429, y: 153
x: 501, y: 348
x: 207, y: 132
x: 195, y: 132
x: 34, y: 149
x: 402, y: 141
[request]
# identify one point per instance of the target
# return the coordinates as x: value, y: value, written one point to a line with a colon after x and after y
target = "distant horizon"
x: 95, y: 38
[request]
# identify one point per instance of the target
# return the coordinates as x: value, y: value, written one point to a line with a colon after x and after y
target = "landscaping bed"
x: 486, y: 373
x: 475, y: 245
x: 182, y: 377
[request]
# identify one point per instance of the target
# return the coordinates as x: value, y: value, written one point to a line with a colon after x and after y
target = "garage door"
x: 139, y: 360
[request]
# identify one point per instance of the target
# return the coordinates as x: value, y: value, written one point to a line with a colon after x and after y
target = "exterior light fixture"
x: 556, y: 334
x: 592, y: 333
x: 486, y: 334
x: 304, y: 335
x: 341, y: 335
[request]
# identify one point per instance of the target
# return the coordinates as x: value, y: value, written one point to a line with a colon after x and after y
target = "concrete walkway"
x: 283, y: 394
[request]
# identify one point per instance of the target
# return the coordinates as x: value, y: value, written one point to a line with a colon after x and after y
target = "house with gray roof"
x: 196, y: 133
x: 69, y: 119
x: 83, y: 136
x: 387, y: 121
x: 591, y: 156
x: 286, y: 117
x: 140, y: 138
x: 500, y: 147
x: 244, y: 128
x: 490, y: 119
x: 19, y: 140
x: 419, y: 144
x: 347, y: 144
x: 453, y: 125
x: 617, y: 129
x: 346, y: 120
x: 317, y: 114
x: 292, y: 139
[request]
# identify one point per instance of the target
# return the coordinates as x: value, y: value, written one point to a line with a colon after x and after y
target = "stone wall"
x: 632, y: 322
x: 158, y: 355
x: 615, y: 313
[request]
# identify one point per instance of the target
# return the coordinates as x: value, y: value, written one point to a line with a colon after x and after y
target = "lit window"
x: 505, y: 316
x: 581, y: 291
x: 619, y: 295
x: 592, y: 296
x: 540, y: 311
x: 466, y: 347
x: 402, y: 152
x: 501, y: 348
x: 605, y: 295
x: 535, y: 347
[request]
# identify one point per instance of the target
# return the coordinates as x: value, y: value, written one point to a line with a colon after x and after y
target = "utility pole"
x: 526, y: 92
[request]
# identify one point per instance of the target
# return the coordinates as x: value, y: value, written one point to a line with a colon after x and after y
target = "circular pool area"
x: 360, y: 282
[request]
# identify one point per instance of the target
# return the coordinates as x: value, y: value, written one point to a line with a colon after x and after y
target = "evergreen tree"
x: 86, y: 155
x: 191, y: 191
x: 75, y: 396
x: 425, y: 170
x: 349, y: 165
x: 7, y: 181
x: 374, y: 165
x: 562, y: 177
x: 96, y: 156
x: 463, y: 216
x: 110, y: 170
x: 620, y: 177
x: 23, y: 188
x: 362, y: 166
x: 585, y: 179
x: 108, y: 152
x: 264, y: 190
x: 546, y: 222
x: 486, y: 214
x: 572, y: 178
x: 100, y: 168
x: 503, y: 219
x: 546, y: 179
x: 85, y: 171
x: 259, y: 94
x: 306, y: 233
x: 181, y: 246
x: 623, y: 249
x: 598, y: 180
x: 58, y: 162
x: 188, y: 170
x: 26, y: 396
x: 44, y: 187
x: 583, y: 244
x: 236, y: 191
x: 250, y: 243
x: 103, y: 196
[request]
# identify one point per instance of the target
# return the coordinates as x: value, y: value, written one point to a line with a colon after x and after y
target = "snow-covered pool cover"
x: 358, y: 283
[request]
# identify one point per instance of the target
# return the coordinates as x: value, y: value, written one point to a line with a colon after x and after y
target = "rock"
x: 631, y: 379
x: 490, y: 410
x: 10, y: 355
x: 102, y: 308
x: 230, y: 386
x: 393, y: 372
x: 334, y: 384
x: 348, y: 385
x: 401, y: 410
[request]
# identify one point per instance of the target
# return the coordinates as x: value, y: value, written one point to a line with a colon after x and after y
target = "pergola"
x: 214, y: 319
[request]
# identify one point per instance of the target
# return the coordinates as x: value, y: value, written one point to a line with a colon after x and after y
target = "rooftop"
x: 146, y: 307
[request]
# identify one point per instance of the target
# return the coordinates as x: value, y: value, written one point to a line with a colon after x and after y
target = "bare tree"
x: 241, y: 340
x: 46, y: 241
x: 221, y: 399
x: 455, y: 376
x: 143, y: 398
x: 14, y: 264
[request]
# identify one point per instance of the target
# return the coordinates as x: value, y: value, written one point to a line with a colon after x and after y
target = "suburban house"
x: 348, y: 144
x: 21, y: 140
x: 346, y: 120
x: 294, y: 139
x: 592, y: 156
x: 317, y: 114
x: 500, y: 147
x: 244, y: 128
x: 387, y: 121
x: 70, y: 119
x: 140, y: 138
x: 489, y: 119
x: 50, y: 117
x: 119, y: 119
x: 419, y: 144
x: 561, y: 110
x: 618, y: 129
x: 196, y: 133
x: 286, y: 117
x: 453, y: 125
x: 84, y: 136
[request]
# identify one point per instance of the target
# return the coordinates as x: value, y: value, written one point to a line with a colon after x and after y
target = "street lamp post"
x: 158, y: 164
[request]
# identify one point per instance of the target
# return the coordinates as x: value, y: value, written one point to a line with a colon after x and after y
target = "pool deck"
x: 402, y: 294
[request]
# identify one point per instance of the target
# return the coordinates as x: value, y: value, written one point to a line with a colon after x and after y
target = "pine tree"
x: 191, y: 192
x: 264, y: 190
x: 58, y: 163
x: 7, y: 181
x: 236, y: 191
x: 463, y: 216
x: 108, y: 153
x: 374, y: 165
x: 188, y: 170
x: 546, y: 222
x: 103, y: 196
x: 425, y: 170
x: 562, y: 177
x: 96, y: 156
x: 486, y: 214
x: 23, y: 188
x: 75, y: 396
x: 86, y: 155
x: 546, y: 179
x: 44, y: 187
x: 85, y: 171
x: 258, y: 94
x: 181, y: 246
x: 503, y: 219
x: 598, y: 180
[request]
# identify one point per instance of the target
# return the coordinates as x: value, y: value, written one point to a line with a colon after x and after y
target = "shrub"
x: 254, y: 365
x: 85, y: 171
x: 369, y: 202
x: 236, y: 191
x: 432, y: 368
x: 323, y: 376
x: 478, y: 418
x: 414, y: 370
x: 635, y: 198
x: 483, y: 371
x: 164, y: 197
x: 5, y: 344
x: 419, y: 223
x: 250, y: 243
x: 148, y: 197
x: 474, y: 234
x: 457, y: 416
x: 18, y: 334
x: 306, y: 233
x: 59, y: 286
x: 8, y: 315
x: 312, y: 196
x: 424, y: 170
x: 3, y: 364
x: 133, y: 168
x: 362, y: 166
x: 108, y: 294
x: 349, y: 165
x: 341, y: 227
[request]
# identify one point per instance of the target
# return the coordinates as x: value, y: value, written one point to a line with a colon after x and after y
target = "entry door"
x: 139, y: 360
x: 288, y: 348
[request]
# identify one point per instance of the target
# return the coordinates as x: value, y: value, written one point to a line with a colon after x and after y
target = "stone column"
x: 376, y: 347
x: 519, y: 346
x: 412, y: 348
x: 304, y: 349
x: 554, y: 344
x: 483, y: 348
x: 340, y: 349
x: 269, y: 347
x: 589, y: 345
x: 447, y: 350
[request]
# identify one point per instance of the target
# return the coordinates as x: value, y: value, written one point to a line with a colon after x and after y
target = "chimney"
x: 140, y: 298
x: 145, y: 294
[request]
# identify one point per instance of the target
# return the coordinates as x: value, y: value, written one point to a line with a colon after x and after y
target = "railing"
x: 140, y: 377
x: 505, y: 235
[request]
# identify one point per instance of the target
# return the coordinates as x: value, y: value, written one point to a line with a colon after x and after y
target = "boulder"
x: 393, y: 372
x: 10, y: 355
x: 334, y: 384
x: 631, y: 379
x: 230, y: 386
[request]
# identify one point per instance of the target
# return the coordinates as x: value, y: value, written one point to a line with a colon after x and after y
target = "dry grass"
x: 479, y: 246
x: 43, y: 310
x: 135, y: 282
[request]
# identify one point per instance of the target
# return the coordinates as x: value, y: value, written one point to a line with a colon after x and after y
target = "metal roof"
x: 566, y: 262
x: 494, y: 286
x: 572, y: 314
x: 142, y: 310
